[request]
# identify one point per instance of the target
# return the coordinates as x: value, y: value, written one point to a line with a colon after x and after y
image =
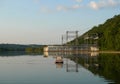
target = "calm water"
x: 76, y: 69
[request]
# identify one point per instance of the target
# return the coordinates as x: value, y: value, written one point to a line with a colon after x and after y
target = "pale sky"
x: 44, y: 21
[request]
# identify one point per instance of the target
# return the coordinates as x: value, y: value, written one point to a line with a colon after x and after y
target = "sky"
x: 45, y: 21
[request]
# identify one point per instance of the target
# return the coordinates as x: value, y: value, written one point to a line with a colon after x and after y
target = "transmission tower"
x: 73, y: 35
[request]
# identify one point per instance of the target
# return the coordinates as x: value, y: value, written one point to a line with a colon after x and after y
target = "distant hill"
x: 108, y: 33
x: 18, y: 47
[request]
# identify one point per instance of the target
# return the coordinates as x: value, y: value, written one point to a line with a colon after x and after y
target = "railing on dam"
x: 61, y: 48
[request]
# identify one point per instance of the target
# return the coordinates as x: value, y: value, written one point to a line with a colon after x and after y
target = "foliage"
x: 33, y: 50
x: 108, y: 33
x: 104, y: 65
x: 109, y: 66
x: 17, y: 47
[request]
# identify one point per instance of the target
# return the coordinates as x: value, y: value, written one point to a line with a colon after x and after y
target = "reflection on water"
x: 105, y: 65
x: 17, y: 53
x: 76, y: 69
x: 59, y: 65
x: 72, y: 67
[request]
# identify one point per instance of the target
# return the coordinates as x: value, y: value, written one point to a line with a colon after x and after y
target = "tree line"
x: 17, y: 47
x: 108, y: 33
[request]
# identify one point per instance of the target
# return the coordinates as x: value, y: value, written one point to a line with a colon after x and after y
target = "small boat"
x: 59, y: 59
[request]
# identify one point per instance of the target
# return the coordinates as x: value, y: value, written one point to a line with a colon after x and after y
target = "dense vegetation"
x: 17, y: 47
x: 108, y: 65
x: 108, y: 33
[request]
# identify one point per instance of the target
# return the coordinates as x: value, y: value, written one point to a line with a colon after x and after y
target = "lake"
x: 85, y: 68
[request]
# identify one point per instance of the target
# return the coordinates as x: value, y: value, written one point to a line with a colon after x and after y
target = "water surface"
x: 76, y: 69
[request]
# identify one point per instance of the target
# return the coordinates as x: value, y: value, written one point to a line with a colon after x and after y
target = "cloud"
x: 59, y: 8
x: 104, y: 4
x: 112, y: 2
x: 46, y: 10
x: 36, y: 1
x: 65, y: 8
x: 94, y: 4
x: 78, y: 0
x: 76, y: 6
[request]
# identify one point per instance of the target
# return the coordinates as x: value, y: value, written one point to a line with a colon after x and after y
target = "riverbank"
x: 114, y: 52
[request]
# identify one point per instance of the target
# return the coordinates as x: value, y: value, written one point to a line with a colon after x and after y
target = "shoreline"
x: 112, y: 52
x: 79, y: 52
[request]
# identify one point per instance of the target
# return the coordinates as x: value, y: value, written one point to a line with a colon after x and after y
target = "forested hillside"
x: 108, y: 33
x: 17, y: 47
